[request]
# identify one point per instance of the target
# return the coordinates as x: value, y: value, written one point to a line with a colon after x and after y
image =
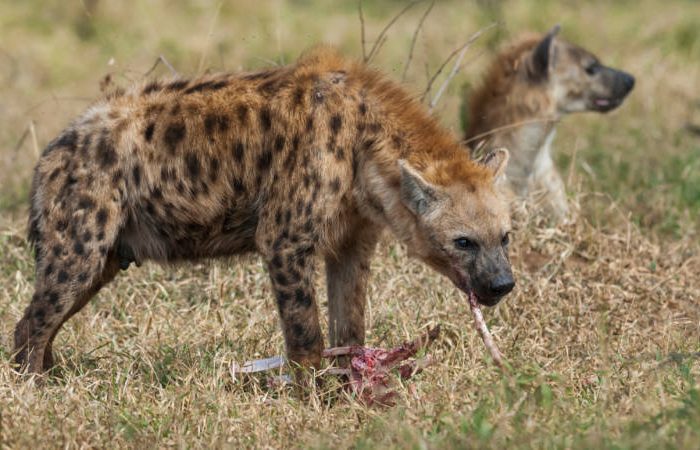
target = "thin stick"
x: 35, y: 142
x: 506, y: 127
x: 456, y: 68
x: 362, y: 31
x: 380, y: 39
x: 161, y: 60
x: 459, y: 50
x: 414, y: 39
x: 484, y: 332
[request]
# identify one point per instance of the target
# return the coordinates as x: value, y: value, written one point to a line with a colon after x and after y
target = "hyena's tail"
x: 33, y: 228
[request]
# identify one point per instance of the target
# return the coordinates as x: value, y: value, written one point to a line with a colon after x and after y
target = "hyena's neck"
x: 398, y: 128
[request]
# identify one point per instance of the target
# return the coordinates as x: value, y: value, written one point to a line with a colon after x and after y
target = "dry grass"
x: 602, y: 330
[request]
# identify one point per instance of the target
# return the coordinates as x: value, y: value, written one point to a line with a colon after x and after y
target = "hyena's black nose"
x: 627, y: 81
x: 501, y: 285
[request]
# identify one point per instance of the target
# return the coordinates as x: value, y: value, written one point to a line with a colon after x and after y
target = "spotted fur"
x: 297, y: 163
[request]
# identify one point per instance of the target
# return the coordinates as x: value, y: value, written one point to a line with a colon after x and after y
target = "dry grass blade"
x: 414, y: 39
x: 382, y: 35
x: 461, y: 50
x: 161, y: 60
x: 484, y: 331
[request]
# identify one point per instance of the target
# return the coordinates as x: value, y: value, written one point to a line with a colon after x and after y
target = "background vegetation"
x: 602, y: 331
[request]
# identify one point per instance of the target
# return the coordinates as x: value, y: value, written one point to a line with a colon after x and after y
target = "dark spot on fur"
x: 265, y: 160
x: 78, y: 248
x: 279, y: 143
x: 105, y: 152
x: 281, y: 279
x: 173, y: 135
x: 282, y: 298
x: 242, y: 112
x: 87, y: 236
x: 48, y: 270
x: 193, y: 167
x: 238, y: 150
x: 57, y: 250
x: 238, y: 186
x: 298, y: 97
x: 136, y: 173
x: 101, y: 217
x: 53, y: 297
x: 206, y: 86
x: 309, y: 123
x: 62, y: 276
x: 82, y: 278
x: 61, y: 225
x: 363, y: 109
x: 336, y: 123
x: 148, y: 132
x: 335, y: 185
x: 265, y: 120
x: 177, y: 85
x: 100, y: 236
x: 151, y: 87
x: 302, y: 298
x: 215, y: 122
x: 157, y: 193
x: 86, y: 203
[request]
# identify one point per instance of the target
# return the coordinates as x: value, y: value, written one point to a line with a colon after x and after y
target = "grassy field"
x: 602, y: 331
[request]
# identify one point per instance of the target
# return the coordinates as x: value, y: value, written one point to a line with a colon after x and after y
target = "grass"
x: 601, y: 332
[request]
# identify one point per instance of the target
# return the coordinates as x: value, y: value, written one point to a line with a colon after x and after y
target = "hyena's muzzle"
x: 610, y: 89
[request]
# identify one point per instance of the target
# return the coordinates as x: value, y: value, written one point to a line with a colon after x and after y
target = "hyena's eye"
x: 505, y: 240
x: 592, y: 68
x: 464, y: 243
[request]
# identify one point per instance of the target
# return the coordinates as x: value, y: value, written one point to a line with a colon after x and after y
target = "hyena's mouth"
x: 463, y: 284
x: 603, y: 104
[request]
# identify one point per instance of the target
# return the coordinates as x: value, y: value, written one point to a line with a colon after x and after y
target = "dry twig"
x: 382, y: 35
x: 414, y: 39
x: 161, y: 60
x: 459, y: 51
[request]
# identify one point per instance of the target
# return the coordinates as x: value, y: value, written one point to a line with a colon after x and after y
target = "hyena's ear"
x: 417, y: 194
x: 543, y: 55
x: 496, y: 161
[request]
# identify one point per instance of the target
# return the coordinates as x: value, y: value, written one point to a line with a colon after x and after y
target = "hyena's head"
x: 461, y: 226
x: 577, y: 78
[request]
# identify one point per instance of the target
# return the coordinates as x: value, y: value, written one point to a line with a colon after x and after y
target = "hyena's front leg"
x: 292, y: 267
x: 347, y: 272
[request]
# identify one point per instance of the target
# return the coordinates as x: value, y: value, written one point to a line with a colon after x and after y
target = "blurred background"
x: 645, y: 156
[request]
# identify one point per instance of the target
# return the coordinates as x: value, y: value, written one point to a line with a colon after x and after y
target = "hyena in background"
x: 529, y: 87
x: 298, y: 163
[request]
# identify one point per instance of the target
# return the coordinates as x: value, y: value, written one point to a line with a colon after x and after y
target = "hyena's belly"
x: 201, y: 229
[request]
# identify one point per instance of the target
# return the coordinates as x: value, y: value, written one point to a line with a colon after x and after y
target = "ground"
x: 601, y: 331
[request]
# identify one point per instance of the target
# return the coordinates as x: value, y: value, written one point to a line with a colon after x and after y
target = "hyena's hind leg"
x: 77, y: 258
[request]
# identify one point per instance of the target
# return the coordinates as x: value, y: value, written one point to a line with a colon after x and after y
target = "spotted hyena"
x: 297, y: 163
x: 529, y: 87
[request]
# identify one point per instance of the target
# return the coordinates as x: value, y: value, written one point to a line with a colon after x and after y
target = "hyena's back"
x: 181, y: 170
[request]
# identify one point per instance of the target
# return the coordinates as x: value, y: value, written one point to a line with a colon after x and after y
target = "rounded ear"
x: 417, y: 194
x: 496, y: 161
x: 542, y: 56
